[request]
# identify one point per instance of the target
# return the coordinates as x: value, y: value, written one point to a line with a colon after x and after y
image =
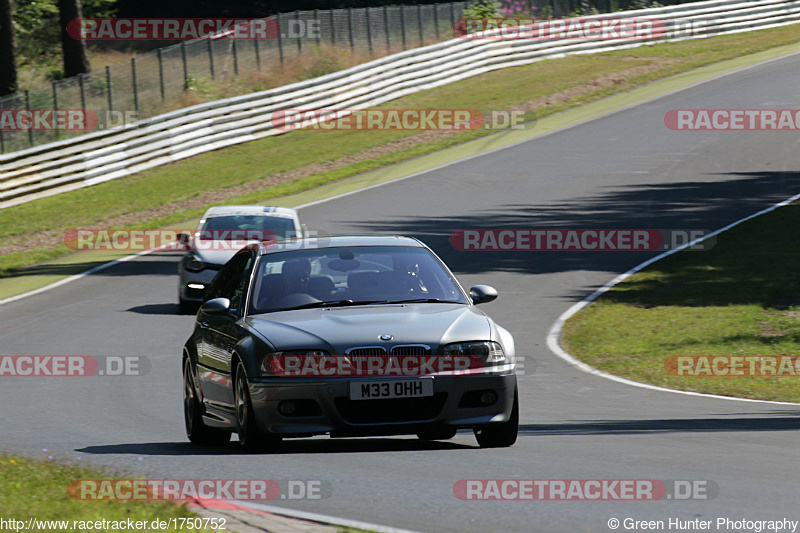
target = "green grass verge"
x: 223, y: 169
x: 35, y: 488
x: 742, y: 297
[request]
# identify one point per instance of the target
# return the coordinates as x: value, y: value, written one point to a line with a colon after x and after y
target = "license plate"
x: 406, y: 388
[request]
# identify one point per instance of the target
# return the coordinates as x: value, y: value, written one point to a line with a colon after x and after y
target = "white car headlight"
x: 192, y: 263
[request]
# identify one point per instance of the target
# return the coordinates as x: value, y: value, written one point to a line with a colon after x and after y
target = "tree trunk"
x: 8, y: 50
x: 76, y: 57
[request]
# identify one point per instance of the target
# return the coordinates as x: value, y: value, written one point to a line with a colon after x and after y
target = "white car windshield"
x: 247, y: 227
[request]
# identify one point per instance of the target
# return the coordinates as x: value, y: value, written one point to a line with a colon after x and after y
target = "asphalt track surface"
x: 625, y: 170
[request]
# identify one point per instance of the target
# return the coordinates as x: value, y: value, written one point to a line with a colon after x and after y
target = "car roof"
x: 233, y: 210
x: 269, y: 247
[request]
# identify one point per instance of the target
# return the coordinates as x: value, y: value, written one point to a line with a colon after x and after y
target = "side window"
x: 237, y: 299
x: 229, y: 278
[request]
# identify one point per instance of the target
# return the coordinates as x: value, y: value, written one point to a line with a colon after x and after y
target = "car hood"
x: 339, y: 328
x: 217, y: 256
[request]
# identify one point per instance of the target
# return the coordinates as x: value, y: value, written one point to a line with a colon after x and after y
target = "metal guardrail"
x: 154, y: 82
x: 110, y: 154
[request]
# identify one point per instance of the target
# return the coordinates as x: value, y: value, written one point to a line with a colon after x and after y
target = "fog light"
x: 287, y: 408
x: 196, y: 286
x: 488, y: 397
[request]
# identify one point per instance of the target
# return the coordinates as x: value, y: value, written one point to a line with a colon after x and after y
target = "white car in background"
x: 222, y: 232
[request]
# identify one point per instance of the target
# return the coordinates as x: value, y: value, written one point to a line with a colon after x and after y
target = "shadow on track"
x: 686, y: 205
x: 690, y: 425
x: 288, y: 447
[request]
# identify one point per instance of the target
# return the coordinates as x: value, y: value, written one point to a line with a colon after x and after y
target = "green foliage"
x: 38, y: 34
x: 644, y: 4
x: 517, y: 9
x: 483, y: 9
x: 202, y: 85
x: 585, y: 8
x: 322, y: 63
x: 38, y: 31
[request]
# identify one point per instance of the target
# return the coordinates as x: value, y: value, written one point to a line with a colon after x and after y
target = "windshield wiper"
x: 418, y: 300
x: 331, y: 303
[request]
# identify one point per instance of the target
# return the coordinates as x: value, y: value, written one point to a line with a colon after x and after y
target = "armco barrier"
x: 106, y: 155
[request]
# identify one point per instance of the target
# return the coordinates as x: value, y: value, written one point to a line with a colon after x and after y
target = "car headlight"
x: 489, y: 351
x: 192, y: 263
x: 276, y: 362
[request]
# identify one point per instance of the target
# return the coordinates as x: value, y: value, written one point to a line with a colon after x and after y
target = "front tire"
x: 187, y: 307
x: 196, y: 430
x: 500, y: 435
x: 250, y: 439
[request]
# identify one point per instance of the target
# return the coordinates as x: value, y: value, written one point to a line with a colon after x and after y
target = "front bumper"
x: 324, y: 406
x: 187, y: 279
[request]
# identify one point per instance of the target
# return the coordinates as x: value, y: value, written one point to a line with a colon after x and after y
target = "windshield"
x: 247, y: 227
x: 350, y: 276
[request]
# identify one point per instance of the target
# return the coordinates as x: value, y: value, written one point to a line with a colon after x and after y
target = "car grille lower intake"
x: 391, y: 410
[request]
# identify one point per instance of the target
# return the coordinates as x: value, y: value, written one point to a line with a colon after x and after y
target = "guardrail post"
x: 108, y: 89
x: 161, y: 86
x: 421, y: 25
x: 350, y: 27
x: 386, y: 27
x: 436, y: 20
x: 257, y: 47
x: 28, y: 107
x: 135, y: 86
x: 318, y: 24
x: 55, y: 105
x: 300, y: 35
x: 369, y: 29
x: 235, y: 50
x: 211, y: 58
x: 185, y: 67
x: 403, y: 24
x: 81, y: 87
x: 280, y: 38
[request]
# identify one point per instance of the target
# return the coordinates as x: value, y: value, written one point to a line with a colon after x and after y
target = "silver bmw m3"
x: 346, y: 336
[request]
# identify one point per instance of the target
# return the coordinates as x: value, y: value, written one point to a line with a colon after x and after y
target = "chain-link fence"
x: 154, y: 82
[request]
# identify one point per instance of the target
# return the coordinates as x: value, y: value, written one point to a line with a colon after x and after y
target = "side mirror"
x: 216, y: 306
x: 482, y: 293
x: 184, y: 239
